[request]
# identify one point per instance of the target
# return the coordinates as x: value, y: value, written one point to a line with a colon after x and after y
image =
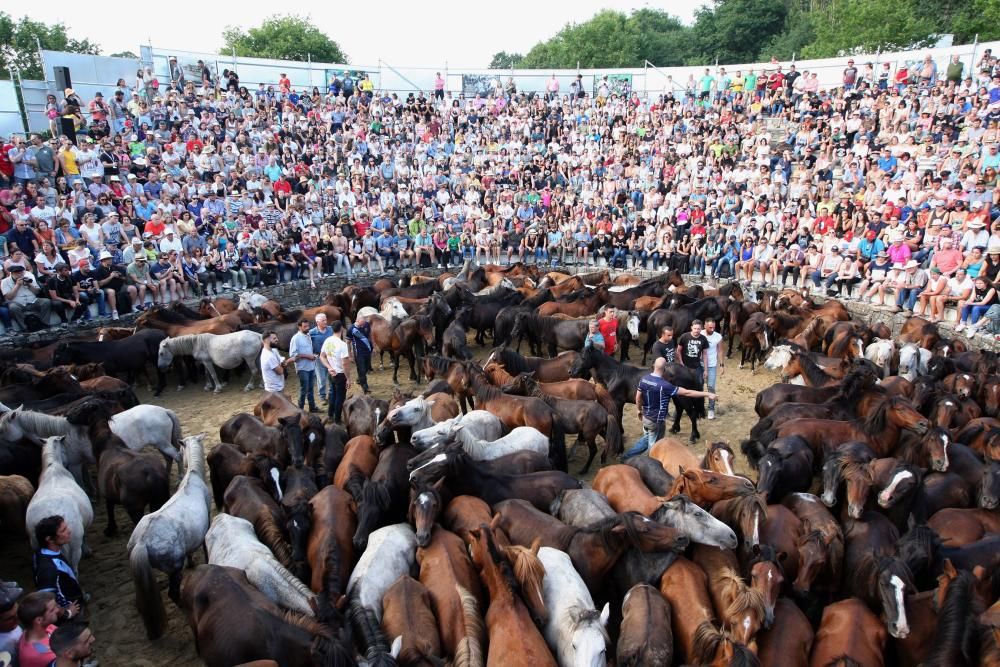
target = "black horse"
x: 680, y: 319
x: 127, y: 356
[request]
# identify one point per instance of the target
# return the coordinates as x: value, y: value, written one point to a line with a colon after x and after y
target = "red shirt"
x: 360, y: 227
x: 282, y: 185
x: 824, y: 223
x: 609, y: 329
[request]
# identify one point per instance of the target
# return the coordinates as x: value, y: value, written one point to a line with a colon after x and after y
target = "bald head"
x: 659, y: 365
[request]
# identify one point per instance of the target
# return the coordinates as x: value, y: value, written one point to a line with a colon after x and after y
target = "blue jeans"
x: 975, y: 311
x: 322, y: 380
x: 621, y: 255
x: 907, y: 297
x: 86, y: 298
x: 710, y: 385
x: 651, y: 432
x: 306, y: 388
x: 540, y: 254
x: 722, y: 261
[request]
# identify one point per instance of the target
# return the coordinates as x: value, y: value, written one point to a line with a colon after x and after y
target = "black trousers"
x: 338, y: 393
x: 364, y: 364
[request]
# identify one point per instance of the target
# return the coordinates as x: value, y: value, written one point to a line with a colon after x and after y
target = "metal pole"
x: 15, y: 78
x: 975, y: 47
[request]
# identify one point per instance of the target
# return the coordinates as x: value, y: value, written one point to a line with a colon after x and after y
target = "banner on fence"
x: 481, y: 84
x: 355, y: 74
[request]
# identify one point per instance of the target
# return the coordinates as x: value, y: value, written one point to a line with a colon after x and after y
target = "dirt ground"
x: 121, y: 639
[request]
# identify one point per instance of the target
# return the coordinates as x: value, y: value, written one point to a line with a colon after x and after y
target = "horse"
x: 652, y: 474
x: 128, y: 356
x: 282, y: 443
x: 454, y: 339
x: 330, y: 548
x: 175, y: 324
x: 847, y: 463
x: 960, y: 526
x: 248, y: 498
x: 681, y: 317
x: 15, y: 494
x: 391, y: 553
x: 363, y: 414
x: 785, y: 467
x: 737, y: 605
x: 475, y: 426
x: 685, y: 587
x: 419, y: 413
x: 210, y: 596
x: 124, y: 477
x: 849, y: 634
x: 358, y: 463
x: 755, y: 341
x: 575, y: 631
x: 513, y: 637
x: 231, y: 542
x: 545, y: 370
x: 150, y: 425
x: 75, y: 448
x: 463, y: 476
x: 166, y: 538
x: 226, y: 351
x: 788, y: 641
x: 620, y: 380
x: 745, y: 513
x: 706, y: 487
x: 383, y: 497
x: 408, y: 613
x: 59, y: 494
x: 594, y: 549
x: 297, y: 487
x: 573, y: 389
x: 645, y: 637
x: 820, y: 545
x: 673, y: 454
x: 581, y: 508
x: 585, y: 418
x: 520, y: 439
x: 400, y: 338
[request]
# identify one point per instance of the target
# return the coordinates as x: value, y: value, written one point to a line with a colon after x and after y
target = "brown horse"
x: 573, y: 389
x: 282, y: 442
x: 546, y: 370
x: 274, y: 406
x: 849, y: 634
x: 330, y: 550
x: 781, y: 531
x: 247, y: 498
x: 706, y: 487
x: 960, y: 526
x: 213, y: 597
x: 645, y: 638
x: 594, y: 550
x: 513, y: 637
x: 226, y: 461
x: 15, y: 494
x: 742, y: 609
x: 625, y: 490
x: 685, y: 586
x: 919, y: 331
x: 401, y: 339
x: 820, y: 546
x: 788, y: 641
x: 451, y: 580
x: 216, y: 307
x: 360, y: 459
x: 175, y: 324
x: 407, y: 612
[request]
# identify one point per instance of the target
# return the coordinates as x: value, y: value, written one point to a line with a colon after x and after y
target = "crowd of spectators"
x: 882, y: 188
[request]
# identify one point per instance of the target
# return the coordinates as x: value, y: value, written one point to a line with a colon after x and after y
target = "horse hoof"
x: 218, y: 391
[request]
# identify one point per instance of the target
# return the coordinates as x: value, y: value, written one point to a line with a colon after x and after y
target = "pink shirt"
x: 947, y: 260
x: 35, y: 654
x: 899, y: 254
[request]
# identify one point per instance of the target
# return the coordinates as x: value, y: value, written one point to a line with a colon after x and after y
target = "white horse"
x: 415, y: 413
x: 476, y: 425
x: 231, y: 541
x: 391, y: 553
x: 392, y: 310
x: 521, y: 439
x: 913, y: 361
x: 148, y: 424
x: 695, y: 523
x: 880, y: 352
x: 504, y: 284
x: 249, y: 301
x: 211, y: 350
x: 166, y: 537
x: 574, y: 630
x: 59, y: 494
x: 77, y: 448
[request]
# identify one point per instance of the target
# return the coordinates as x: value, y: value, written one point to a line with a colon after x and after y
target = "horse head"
x: 298, y: 524
x: 814, y: 555
x: 164, y: 355
x: 696, y: 523
x: 989, y: 488
x: 632, y: 324
x: 895, y: 582
x: 290, y: 427
x: 409, y: 413
x: 767, y: 576
x: 425, y: 506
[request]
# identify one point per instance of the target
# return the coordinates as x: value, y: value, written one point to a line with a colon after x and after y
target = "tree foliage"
x: 865, y: 26
x: 504, y: 60
x: 733, y: 31
x: 283, y: 38
x: 19, y: 42
x: 125, y: 54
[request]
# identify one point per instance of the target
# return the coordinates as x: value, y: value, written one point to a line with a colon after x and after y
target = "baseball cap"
x: 82, y: 263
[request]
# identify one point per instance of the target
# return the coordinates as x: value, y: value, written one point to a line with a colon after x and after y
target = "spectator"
x: 272, y: 364
x: 360, y: 335
x: 714, y: 360
x: 334, y: 357
x: 21, y: 292
x: 72, y: 644
x: 38, y: 614
x: 10, y: 629
x: 594, y: 337
x: 51, y: 571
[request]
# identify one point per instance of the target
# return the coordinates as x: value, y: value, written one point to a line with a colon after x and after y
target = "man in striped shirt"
x: 652, y: 401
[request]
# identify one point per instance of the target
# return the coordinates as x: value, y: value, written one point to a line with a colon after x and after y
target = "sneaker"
x: 114, y: 314
x: 711, y: 414
x: 959, y: 327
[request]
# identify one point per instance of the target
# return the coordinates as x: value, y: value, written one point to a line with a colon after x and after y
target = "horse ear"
x: 605, y: 615
x: 475, y: 533
x: 495, y: 521
x: 341, y: 603
x: 680, y: 471
x: 438, y: 485
x: 979, y: 572
x: 949, y: 569
x: 397, y: 646
x: 536, y: 545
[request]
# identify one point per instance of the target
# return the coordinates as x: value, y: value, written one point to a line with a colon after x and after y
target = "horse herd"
x: 443, y: 527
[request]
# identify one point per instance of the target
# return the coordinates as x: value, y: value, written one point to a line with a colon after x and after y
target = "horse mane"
x: 742, y: 507
x: 536, y: 392
x: 707, y: 641
x: 470, y: 648
x: 271, y: 535
x: 848, y: 467
x: 817, y: 376
x: 918, y: 548
x: 743, y: 598
x: 307, y: 623
x: 375, y: 493
x: 440, y: 364
x: 41, y: 424
x: 514, y: 363
x: 605, y: 529
x: 529, y: 572
x: 876, y: 422
x: 857, y: 381
x: 167, y: 315
x: 955, y: 639
x: 481, y: 385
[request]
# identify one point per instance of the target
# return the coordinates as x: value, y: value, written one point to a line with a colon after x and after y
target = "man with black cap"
x: 65, y: 295
x: 21, y: 292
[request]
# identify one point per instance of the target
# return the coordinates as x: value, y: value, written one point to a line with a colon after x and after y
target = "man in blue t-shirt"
x: 319, y: 334
x: 652, y: 401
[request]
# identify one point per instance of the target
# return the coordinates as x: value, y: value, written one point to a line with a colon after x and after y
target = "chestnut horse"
x: 330, y: 549
x: 408, y: 612
x: 849, y: 634
x: 742, y: 609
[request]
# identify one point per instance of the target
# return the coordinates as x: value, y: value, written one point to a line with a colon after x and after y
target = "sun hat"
x: 912, y: 264
x: 104, y: 255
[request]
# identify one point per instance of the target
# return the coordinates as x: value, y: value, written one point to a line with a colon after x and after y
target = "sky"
x: 432, y: 33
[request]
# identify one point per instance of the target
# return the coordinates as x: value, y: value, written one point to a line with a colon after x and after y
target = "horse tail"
x: 754, y: 451
x: 147, y: 592
x: 469, y: 652
x: 605, y: 400
x: 613, y: 435
x: 762, y: 426
x: 175, y: 431
x: 557, y: 445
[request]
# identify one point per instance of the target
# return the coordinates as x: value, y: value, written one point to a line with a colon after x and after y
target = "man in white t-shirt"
x: 335, y: 356
x: 716, y: 361
x: 272, y: 364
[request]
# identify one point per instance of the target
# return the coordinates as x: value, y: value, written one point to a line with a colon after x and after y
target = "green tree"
x: 734, y: 31
x: 865, y: 26
x: 977, y: 17
x: 283, y: 38
x: 504, y: 60
x: 663, y: 39
x: 125, y: 54
x: 19, y: 42
x: 606, y: 40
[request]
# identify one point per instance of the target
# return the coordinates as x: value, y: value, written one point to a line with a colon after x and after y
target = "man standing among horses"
x: 272, y: 366
x: 319, y: 334
x: 52, y: 573
x: 609, y: 329
x: 714, y: 361
x: 652, y: 401
x: 693, y: 348
x: 300, y: 349
x: 665, y: 346
x: 335, y: 356
x: 360, y: 334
